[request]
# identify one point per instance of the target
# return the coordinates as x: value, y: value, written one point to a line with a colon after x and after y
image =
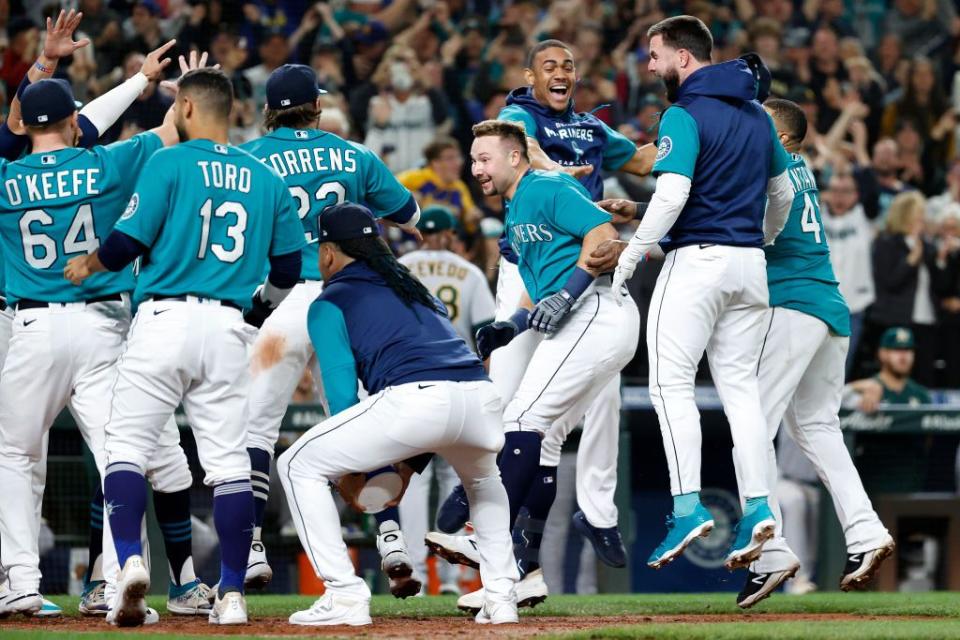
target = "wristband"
x: 41, y: 68
x: 521, y: 318
x: 578, y: 282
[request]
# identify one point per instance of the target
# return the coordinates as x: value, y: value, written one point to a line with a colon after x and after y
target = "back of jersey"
x: 458, y: 284
x: 321, y: 170
x: 210, y: 215
x: 60, y: 204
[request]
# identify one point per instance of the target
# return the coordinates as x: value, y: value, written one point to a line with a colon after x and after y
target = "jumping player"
x: 592, y: 330
x: 801, y: 376
x: 428, y: 394
x: 320, y: 170
x: 209, y: 215
x: 717, y: 160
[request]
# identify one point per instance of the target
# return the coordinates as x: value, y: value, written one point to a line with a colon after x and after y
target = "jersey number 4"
x: 40, y: 250
x: 811, y: 213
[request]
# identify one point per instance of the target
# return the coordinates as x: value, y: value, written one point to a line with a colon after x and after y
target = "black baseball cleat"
x: 607, y: 542
x: 759, y: 586
x: 454, y: 513
x: 862, y: 567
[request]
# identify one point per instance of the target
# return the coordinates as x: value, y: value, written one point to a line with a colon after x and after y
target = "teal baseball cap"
x: 897, y: 338
x: 435, y: 219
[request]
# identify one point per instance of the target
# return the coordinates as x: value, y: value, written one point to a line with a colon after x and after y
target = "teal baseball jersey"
x: 799, y: 273
x: 546, y: 220
x: 57, y: 205
x: 210, y: 215
x: 321, y: 170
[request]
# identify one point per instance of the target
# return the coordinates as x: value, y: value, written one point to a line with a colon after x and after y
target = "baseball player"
x: 56, y: 202
x: 320, y: 170
x: 428, y: 394
x: 208, y: 215
x: 591, y: 331
x: 580, y: 144
x: 718, y: 159
x: 465, y: 292
x: 801, y: 376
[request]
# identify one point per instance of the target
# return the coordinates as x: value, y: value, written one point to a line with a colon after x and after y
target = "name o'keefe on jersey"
x: 47, y: 185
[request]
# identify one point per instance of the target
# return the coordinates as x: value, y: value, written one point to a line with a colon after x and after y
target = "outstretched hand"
x: 195, y: 61
x: 60, y: 42
x: 155, y: 63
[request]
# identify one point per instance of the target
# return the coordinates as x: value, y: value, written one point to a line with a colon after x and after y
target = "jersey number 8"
x: 81, y: 236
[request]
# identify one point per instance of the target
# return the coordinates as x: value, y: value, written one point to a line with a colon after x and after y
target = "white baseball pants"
x: 460, y: 421
x: 597, y: 455
x: 709, y: 298
x: 281, y: 351
x: 801, y: 382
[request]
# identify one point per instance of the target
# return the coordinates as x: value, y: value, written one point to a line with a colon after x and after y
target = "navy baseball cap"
x: 347, y: 221
x: 292, y: 85
x: 46, y: 102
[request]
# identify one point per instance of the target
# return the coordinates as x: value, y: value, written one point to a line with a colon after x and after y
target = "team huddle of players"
x: 255, y: 262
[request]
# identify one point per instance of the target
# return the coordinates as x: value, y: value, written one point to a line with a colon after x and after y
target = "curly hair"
x: 377, y: 255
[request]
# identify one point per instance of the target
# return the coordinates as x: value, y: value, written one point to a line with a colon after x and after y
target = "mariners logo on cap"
x: 666, y: 146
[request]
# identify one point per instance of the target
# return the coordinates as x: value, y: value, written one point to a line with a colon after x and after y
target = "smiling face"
x: 494, y: 164
x: 553, y: 76
x: 664, y: 63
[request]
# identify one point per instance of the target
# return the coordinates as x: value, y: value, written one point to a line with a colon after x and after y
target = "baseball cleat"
x: 230, y: 609
x: 454, y: 513
x: 681, y: 531
x: 48, y: 610
x: 760, y: 585
x: 396, y: 562
x: 259, y: 573
x: 454, y: 549
x: 191, y: 599
x: 26, y: 603
x: 753, y: 530
x: 863, y: 566
x: 607, y: 542
x: 334, y: 609
x: 152, y: 617
x: 497, y: 613
x: 129, y: 609
x: 93, y: 601
x: 530, y: 591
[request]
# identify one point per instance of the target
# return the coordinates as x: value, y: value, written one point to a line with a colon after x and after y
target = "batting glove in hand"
x: 259, y: 310
x: 550, y: 312
x: 499, y: 334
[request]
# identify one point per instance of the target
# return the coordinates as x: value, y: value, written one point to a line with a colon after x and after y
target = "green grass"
x: 941, y: 609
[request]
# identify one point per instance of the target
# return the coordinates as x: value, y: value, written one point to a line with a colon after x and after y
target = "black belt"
x: 39, y: 304
x: 183, y: 298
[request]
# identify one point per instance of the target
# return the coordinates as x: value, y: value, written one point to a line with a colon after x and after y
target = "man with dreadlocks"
x: 429, y: 393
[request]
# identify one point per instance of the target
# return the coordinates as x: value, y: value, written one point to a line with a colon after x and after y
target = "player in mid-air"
x: 465, y: 292
x: 592, y: 330
x: 429, y: 393
x: 209, y: 216
x: 801, y: 375
x: 718, y: 163
x: 321, y: 170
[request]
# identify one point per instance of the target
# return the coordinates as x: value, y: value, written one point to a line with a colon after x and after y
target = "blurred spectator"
x: 946, y: 286
x: 850, y: 235
x: 439, y: 182
x: 922, y: 25
x: 902, y: 264
x: 766, y: 38
x: 22, y: 49
x: 143, y: 31
x: 274, y: 51
x: 892, y: 385
x: 146, y: 112
x: 947, y: 203
x: 883, y: 176
x: 890, y: 63
x: 404, y: 115
x: 103, y: 26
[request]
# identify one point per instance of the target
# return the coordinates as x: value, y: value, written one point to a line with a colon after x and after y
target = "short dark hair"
x: 503, y: 129
x: 790, y: 116
x: 685, y: 32
x: 302, y: 116
x: 209, y: 87
x: 543, y: 46
x: 436, y: 148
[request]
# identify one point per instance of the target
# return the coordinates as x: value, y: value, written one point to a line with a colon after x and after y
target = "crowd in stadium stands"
x: 877, y: 78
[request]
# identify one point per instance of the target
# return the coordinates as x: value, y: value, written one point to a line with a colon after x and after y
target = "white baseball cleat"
x: 49, y: 610
x: 259, y: 573
x: 530, y: 591
x: 129, y: 609
x: 230, y: 609
x: 333, y: 609
x: 93, y: 601
x: 396, y: 562
x: 454, y: 549
x: 152, y: 617
x: 192, y: 599
x: 863, y: 566
x: 497, y: 613
x: 22, y: 602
